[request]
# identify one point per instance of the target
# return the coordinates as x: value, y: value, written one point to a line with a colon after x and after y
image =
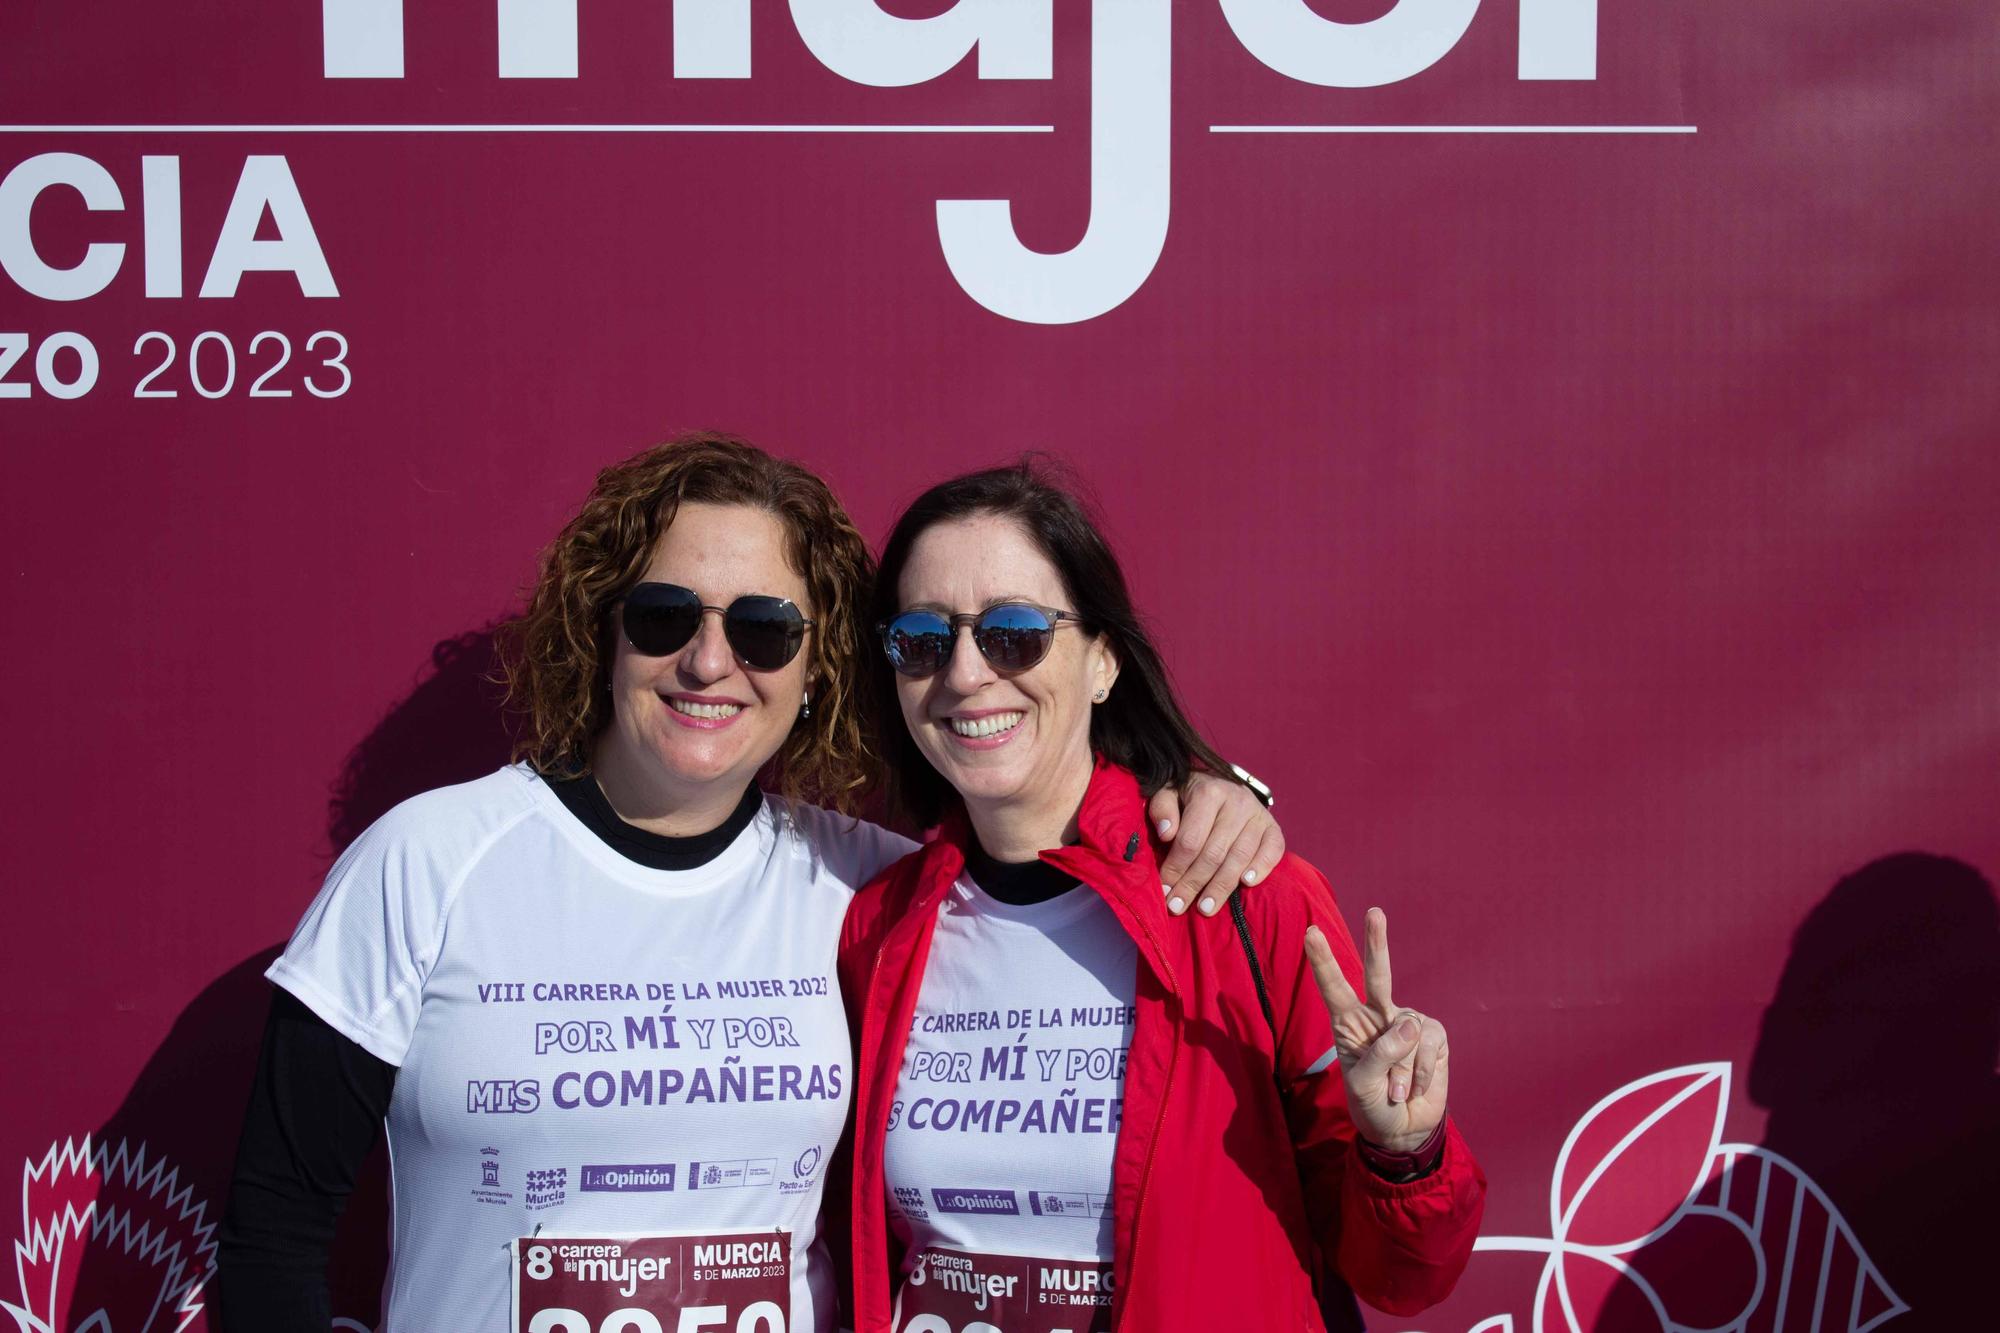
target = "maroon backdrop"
x: 1591, y: 536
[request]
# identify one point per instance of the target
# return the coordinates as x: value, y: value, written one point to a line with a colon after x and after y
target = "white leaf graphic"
x: 1663, y: 1132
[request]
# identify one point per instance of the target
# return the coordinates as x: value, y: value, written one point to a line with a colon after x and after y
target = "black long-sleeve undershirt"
x: 317, y: 1106
x: 315, y: 1110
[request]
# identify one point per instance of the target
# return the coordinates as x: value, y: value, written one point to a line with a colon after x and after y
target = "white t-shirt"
x: 587, y: 1045
x: 1005, y: 1123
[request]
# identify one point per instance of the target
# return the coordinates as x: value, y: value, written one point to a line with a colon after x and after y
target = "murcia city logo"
x: 489, y: 1189
x: 111, y: 1242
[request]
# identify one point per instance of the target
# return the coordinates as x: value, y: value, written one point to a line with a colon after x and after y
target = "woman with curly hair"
x: 593, y: 994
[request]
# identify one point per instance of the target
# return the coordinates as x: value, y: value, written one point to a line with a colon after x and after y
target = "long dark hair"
x: 1140, y: 727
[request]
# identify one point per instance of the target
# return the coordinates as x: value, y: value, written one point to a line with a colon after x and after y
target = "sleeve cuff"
x: 1404, y: 1167
x: 334, y: 1015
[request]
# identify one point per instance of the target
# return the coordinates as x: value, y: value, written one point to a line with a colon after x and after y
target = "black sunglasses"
x: 1013, y: 636
x: 763, y: 632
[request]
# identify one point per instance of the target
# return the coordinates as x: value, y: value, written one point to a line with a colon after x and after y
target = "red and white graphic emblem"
x: 1658, y: 1226
x: 110, y: 1243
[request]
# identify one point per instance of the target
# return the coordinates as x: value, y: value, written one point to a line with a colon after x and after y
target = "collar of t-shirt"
x: 1016, y: 883
x: 585, y: 799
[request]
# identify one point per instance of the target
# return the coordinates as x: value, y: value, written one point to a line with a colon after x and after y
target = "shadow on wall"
x: 187, y: 1103
x: 1877, y: 1062
x: 448, y: 730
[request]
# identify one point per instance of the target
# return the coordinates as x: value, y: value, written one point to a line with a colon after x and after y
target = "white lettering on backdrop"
x: 1130, y: 70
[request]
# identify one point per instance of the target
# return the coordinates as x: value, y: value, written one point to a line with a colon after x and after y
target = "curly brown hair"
x: 555, y: 658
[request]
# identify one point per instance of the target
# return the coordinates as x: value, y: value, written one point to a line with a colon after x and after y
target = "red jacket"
x: 1231, y: 1203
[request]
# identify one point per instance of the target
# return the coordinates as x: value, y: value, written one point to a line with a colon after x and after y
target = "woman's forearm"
x: 316, y: 1107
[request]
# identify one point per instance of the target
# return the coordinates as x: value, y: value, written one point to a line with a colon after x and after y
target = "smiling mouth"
x: 976, y: 728
x: 707, y: 712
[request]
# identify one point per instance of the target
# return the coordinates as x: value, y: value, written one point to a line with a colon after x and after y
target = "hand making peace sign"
x: 1393, y: 1060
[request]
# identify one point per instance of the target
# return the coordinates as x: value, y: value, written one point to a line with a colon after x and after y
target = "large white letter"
x: 1298, y: 43
x: 1131, y: 68
x: 160, y: 178
x: 362, y: 39
x: 267, y: 183
x: 711, y: 39
x: 24, y: 184
x: 537, y: 39
x: 857, y: 41
x: 1558, y: 39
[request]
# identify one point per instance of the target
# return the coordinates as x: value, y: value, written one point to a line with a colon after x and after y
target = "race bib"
x: 949, y: 1291
x: 739, y: 1282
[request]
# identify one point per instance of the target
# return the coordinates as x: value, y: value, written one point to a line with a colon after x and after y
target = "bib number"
x: 738, y: 1282
x: 950, y: 1291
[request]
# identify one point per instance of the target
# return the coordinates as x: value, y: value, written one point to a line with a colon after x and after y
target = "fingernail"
x: 1249, y: 877
x: 1166, y: 827
x: 1166, y: 888
x: 1407, y: 1029
x: 1176, y: 906
x: 1208, y: 907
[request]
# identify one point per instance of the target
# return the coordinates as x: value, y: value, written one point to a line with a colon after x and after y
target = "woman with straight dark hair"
x: 1073, y: 1110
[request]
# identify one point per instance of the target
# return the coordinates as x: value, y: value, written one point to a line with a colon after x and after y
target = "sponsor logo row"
x: 1042, y: 1203
x: 663, y: 1177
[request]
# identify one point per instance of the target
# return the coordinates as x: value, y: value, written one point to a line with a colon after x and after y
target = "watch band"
x: 1258, y: 788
